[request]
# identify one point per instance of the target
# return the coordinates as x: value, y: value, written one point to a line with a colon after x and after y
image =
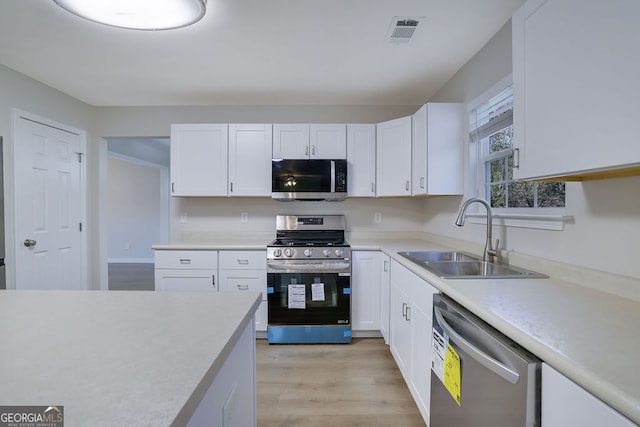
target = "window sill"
x: 541, y: 222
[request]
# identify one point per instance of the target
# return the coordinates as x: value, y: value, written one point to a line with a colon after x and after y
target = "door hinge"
x: 79, y: 156
x: 80, y: 226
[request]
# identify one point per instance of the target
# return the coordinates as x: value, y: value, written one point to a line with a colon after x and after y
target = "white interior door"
x: 48, y: 207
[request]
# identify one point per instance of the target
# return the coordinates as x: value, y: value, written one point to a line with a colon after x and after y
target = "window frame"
x: 537, y: 218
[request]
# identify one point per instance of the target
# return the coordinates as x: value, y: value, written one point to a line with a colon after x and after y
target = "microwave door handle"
x: 333, y: 176
x: 484, y: 359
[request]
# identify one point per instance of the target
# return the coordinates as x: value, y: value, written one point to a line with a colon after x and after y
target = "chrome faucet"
x: 490, y: 253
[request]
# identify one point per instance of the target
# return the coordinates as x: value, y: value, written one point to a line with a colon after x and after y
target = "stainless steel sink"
x: 435, y: 256
x: 458, y: 265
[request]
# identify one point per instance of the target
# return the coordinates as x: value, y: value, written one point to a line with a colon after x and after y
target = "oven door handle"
x: 308, y: 267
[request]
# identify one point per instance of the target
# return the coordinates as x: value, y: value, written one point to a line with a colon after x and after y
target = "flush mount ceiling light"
x: 138, y: 14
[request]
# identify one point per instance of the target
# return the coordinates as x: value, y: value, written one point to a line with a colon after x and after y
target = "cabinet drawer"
x: 243, y: 260
x: 240, y: 281
x: 188, y: 260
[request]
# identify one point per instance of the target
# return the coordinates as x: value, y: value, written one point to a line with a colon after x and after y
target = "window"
x: 491, y: 133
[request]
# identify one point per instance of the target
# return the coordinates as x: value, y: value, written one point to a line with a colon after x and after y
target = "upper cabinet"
x: 437, y: 150
x: 198, y: 165
x: 304, y: 141
x: 361, y: 160
x: 393, y: 157
x: 250, y: 159
x: 576, y: 91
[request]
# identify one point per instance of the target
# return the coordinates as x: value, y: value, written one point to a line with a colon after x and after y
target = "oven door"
x: 309, y: 296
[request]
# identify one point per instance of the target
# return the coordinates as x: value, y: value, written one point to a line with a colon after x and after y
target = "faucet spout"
x: 490, y: 253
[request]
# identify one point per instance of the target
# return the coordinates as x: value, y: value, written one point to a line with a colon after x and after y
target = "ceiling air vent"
x: 402, y: 29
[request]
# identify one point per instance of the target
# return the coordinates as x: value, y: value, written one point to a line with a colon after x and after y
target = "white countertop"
x: 588, y: 335
x: 117, y: 358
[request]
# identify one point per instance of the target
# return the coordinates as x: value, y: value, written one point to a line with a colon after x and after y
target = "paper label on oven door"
x: 445, y: 364
x: 297, y: 296
x: 317, y: 292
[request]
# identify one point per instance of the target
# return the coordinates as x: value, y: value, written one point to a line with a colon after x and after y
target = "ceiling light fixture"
x: 138, y: 14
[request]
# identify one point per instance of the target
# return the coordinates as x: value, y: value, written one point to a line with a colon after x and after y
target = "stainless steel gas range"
x: 309, y: 281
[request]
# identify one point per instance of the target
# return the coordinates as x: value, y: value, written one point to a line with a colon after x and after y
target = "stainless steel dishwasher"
x: 490, y: 380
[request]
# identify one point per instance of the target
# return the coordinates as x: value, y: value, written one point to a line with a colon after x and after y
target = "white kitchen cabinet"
x: 564, y: 403
x: 365, y: 290
x: 437, y: 149
x: 186, y: 271
x: 242, y: 271
x: 230, y: 400
x: 361, y: 160
x: 411, y: 306
x: 393, y: 157
x: 328, y: 141
x: 198, y: 159
x: 304, y: 141
x: 250, y: 159
x: 385, y: 281
x: 575, y: 88
x: 290, y: 141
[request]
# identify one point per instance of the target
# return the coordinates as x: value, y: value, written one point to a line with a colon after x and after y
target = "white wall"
x: 134, y: 210
x: 606, y: 230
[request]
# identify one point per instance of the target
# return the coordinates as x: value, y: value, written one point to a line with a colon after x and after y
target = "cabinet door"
x: 365, y: 290
x: 250, y: 159
x: 575, y: 86
x: 400, y: 320
x: 361, y: 160
x: 328, y: 141
x: 385, y: 281
x: 437, y: 149
x: 198, y: 160
x: 564, y: 403
x: 393, y: 157
x: 186, y: 280
x: 291, y: 141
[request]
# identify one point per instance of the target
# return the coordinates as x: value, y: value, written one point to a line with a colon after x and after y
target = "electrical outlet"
x: 127, y: 245
x: 244, y: 217
x: 184, y: 218
x: 377, y: 217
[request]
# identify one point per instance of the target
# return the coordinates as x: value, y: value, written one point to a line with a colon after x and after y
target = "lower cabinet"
x: 564, y: 403
x: 208, y: 270
x: 242, y: 271
x: 411, y: 304
x: 186, y: 271
x: 230, y: 400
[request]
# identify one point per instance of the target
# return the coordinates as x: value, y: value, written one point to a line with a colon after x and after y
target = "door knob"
x: 29, y: 243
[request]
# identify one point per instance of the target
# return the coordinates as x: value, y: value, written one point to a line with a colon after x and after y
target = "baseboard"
x: 131, y: 260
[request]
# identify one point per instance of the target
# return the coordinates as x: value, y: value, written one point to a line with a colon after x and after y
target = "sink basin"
x: 479, y: 269
x: 458, y: 265
x: 435, y: 256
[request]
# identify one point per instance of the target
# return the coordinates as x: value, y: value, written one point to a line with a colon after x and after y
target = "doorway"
x: 137, y: 209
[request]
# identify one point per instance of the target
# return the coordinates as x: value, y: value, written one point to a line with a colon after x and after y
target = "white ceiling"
x: 253, y: 52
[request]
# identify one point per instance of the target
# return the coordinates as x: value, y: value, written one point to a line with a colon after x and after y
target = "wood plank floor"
x: 131, y: 276
x: 332, y: 386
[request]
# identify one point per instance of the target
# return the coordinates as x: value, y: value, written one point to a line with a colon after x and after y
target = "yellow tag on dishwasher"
x: 452, y: 376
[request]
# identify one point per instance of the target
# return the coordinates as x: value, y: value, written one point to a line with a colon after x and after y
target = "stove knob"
x: 277, y: 252
x: 339, y: 252
x: 326, y: 252
x: 288, y: 252
x: 308, y: 252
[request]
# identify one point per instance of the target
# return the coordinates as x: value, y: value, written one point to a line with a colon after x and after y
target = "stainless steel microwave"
x: 309, y: 179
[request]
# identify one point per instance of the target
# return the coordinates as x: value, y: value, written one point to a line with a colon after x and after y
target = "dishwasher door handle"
x: 485, y: 360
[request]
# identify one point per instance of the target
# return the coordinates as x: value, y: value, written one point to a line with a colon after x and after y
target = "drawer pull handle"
x: 243, y: 287
x: 185, y: 261
x: 243, y: 261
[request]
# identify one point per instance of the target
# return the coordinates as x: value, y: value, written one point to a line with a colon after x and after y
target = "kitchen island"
x: 130, y: 358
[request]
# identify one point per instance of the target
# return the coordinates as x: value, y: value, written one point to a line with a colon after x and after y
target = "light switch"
x: 244, y: 217
x: 184, y: 218
x: 377, y: 217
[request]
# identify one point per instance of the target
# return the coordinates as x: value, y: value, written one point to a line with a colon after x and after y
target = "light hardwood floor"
x: 332, y: 385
